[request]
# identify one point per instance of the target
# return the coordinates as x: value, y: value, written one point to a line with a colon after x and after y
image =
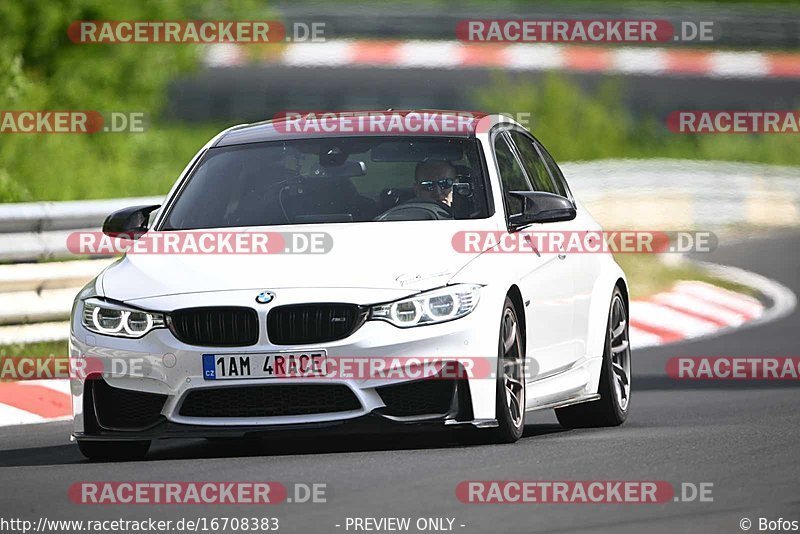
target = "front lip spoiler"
x: 366, y: 424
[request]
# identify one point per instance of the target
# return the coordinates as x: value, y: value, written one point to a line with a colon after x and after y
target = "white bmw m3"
x: 227, y: 345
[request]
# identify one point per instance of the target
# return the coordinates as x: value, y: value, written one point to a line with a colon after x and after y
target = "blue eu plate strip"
x: 209, y: 370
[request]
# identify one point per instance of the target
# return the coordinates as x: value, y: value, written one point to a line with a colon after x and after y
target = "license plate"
x: 272, y: 365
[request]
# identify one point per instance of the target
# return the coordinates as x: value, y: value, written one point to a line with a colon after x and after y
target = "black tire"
x: 608, y: 410
x: 114, y: 450
x: 511, y: 423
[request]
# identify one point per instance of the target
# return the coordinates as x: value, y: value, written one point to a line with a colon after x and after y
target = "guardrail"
x: 38, y: 230
x: 621, y: 194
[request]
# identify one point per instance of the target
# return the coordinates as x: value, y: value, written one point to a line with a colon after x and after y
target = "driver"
x: 433, y: 180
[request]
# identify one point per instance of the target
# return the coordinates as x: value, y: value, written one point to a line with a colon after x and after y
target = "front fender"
x: 598, y: 315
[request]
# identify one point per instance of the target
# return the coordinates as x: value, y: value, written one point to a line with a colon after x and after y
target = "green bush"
x: 41, y: 69
x: 578, y: 126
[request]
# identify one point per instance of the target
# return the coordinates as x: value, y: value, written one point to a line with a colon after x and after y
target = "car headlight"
x: 436, y: 306
x: 116, y: 320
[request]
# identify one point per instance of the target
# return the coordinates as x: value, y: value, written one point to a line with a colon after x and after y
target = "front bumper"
x: 459, y: 414
x: 160, y: 365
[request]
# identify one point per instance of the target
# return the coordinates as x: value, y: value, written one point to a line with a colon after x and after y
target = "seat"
x: 328, y: 197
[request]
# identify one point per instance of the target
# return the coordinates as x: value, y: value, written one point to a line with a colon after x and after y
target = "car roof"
x: 315, y: 125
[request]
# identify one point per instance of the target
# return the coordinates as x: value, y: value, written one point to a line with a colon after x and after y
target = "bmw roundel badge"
x: 265, y: 297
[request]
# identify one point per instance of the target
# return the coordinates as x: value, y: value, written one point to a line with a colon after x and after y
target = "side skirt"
x: 573, y: 386
x: 564, y: 403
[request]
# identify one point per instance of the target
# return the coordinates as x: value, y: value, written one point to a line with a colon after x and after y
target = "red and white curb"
x: 34, y: 401
x: 519, y: 56
x: 688, y: 310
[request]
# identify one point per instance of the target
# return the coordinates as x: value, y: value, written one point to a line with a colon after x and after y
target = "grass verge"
x: 50, y: 349
x: 648, y: 275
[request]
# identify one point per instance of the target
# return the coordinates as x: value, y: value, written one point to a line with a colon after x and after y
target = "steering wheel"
x: 417, y: 210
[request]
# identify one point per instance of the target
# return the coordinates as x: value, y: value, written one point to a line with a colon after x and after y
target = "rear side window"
x: 511, y: 174
x: 558, y: 177
x: 534, y: 164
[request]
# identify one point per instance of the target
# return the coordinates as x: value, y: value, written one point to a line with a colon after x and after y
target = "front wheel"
x: 114, y: 450
x: 611, y: 409
x: 510, y: 378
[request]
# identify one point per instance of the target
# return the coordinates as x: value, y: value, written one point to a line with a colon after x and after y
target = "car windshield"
x: 342, y: 179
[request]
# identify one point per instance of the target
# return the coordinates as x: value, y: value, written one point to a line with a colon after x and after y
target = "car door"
x: 585, y: 265
x: 545, y: 280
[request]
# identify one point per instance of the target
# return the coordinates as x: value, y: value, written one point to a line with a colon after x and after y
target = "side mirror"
x: 540, y: 207
x: 348, y: 169
x: 463, y: 189
x: 128, y: 223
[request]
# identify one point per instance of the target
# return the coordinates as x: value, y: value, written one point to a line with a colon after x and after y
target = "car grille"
x: 423, y: 397
x: 215, y: 326
x: 313, y: 323
x: 268, y: 401
x: 123, y: 409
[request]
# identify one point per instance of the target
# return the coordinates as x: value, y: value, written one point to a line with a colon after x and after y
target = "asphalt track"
x: 744, y: 438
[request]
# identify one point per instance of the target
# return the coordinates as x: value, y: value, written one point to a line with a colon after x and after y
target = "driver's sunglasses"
x: 444, y: 183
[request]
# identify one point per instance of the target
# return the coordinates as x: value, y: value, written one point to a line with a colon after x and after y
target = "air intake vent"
x: 215, y: 326
x: 423, y: 397
x: 268, y: 401
x: 313, y: 323
x: 124, y: 409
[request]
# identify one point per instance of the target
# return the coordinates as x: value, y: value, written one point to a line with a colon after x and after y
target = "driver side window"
x: 511, y: 174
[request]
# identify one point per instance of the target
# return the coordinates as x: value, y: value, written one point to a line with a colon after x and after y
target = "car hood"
x: 412, y: 256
